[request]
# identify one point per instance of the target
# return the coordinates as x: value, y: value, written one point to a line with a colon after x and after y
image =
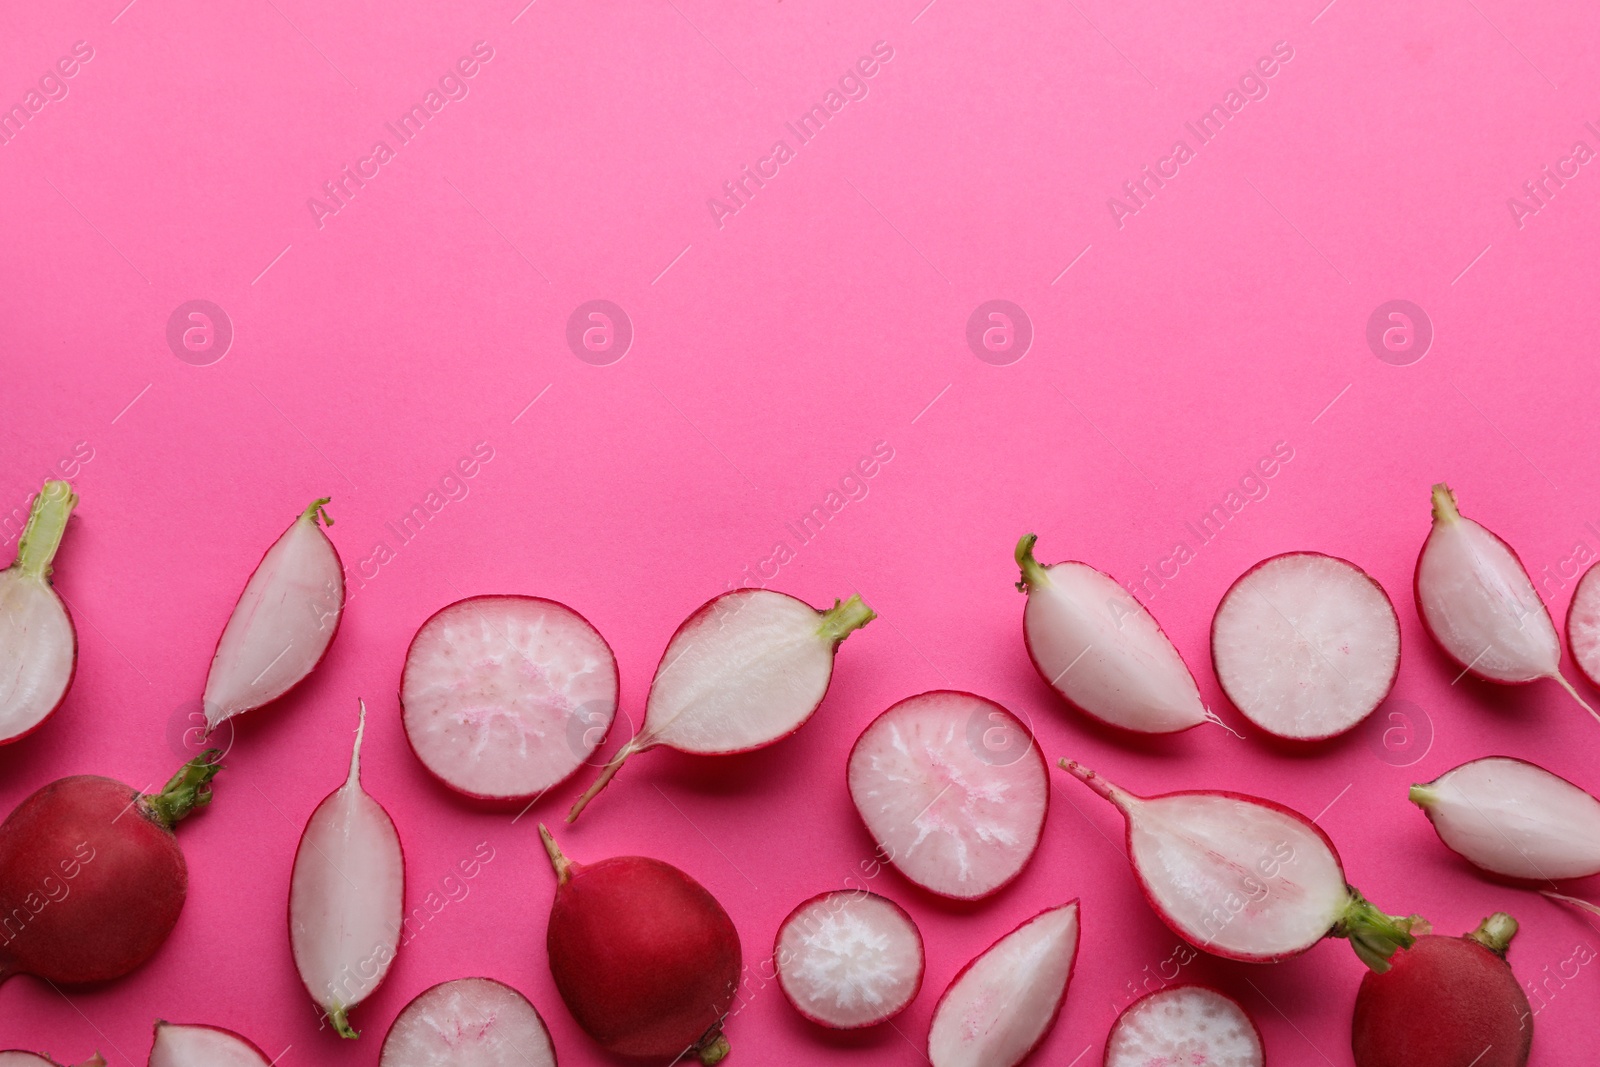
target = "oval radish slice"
x: 504, y: 697
x: 1002, y: 1004
x: 38, y: 645
x: 848, y: 959
x: 283, y: 623
x: 954, y: 790
x: 1184, y: 1025
x: 470, y: 1022
x: 203, y: 1046
x: 1306, y: 645
x: 1583, y: 625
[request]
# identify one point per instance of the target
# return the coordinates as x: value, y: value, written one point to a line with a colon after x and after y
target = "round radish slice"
x: 954, y: 789
x: 1306, y: 645
x: 1184, y: 1025
x: 505, y: 696
x: 848, y: 959
x: 203, y: 1046
x: 470, y: 1022
x: 1583, y: 625
x: 1514, y: 818
x: 38, y: 645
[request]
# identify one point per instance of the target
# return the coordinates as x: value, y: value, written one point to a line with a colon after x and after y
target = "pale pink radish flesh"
x: 1184, y: 1025
x: 283, y: 623
x: 746, y: 669
x: 1513, y: 818
x: 203, y: 1046
x: 504, y: 697
x: 470, y: 1022
x: 346, y: 897
x: 849, y: 959
x: 1004, y: 1002
x: 1306, y: 645
x: 38, y: 645
x: 1583, y: 625
x: 954, y: 790
x: 18, y: 1058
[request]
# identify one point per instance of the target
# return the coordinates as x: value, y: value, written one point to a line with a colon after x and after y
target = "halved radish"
x: 505, y: 696
x: 954, y: 790
x: 747, y: 669
x: 1183, y: 1025
x: 18, y: 1058
x: 1003, y: 1003
x: 848, y: 959
x: 346, y: 897
x: 1306, y: 645
x: 203, y: 1046
x: 1583, y: 625
x: 470, y: 1022
x: 283, y: 623
x: 38, y: 645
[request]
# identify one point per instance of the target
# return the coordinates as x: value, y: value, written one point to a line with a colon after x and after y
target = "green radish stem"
x: 47, y: 522
x: 190, y: 788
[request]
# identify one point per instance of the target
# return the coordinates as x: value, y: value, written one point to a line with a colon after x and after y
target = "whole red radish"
x: 182, y: 1045
x: 1583, y: 625
x: 645, y: 958
x: 1184, y: 1025
x: 38, y: 645
x: 1514, y: 818
x: 18, y: 1058
x: 470, y: 1022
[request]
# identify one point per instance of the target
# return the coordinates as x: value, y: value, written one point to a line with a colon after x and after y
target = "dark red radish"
x: 203, y: 1046
x: 38, y: 644
x: 1001, y: 1005
x: 644, y: 957
x: 747, y: 669
x: 848, y: 959
x: 1583, y: 625
x: 954, y: 790
x: 18, y: 1058
x: 283, y: 623
x: 1306, y: 645
x: 504, y: 697
x: 1246, y: 878
x: 1446, y: 1002
x: 470, y: 1022
x: 1184, y: 1025
x: 347, y: 897
x: 91, y: 876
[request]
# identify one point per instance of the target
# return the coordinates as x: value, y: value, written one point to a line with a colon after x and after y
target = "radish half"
x: 283, y: 623
x: 18, y: 1058
x: 203, y: 1046
x: 1184, y: 1025
x: 849, y: 959
x: 745, y: 670
x: 1583, y: 625
x: 470, y: 1022
x: 1306, y: 645
x: 38, y: 645
x: 346, y: 897
x: 1002, y: 1004
x: 954, y: 790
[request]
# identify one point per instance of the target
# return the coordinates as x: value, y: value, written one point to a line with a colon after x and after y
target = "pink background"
x: 769, y: 356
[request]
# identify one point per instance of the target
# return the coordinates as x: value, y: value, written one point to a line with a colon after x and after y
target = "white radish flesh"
x: 202, y: 1046
x: 1513, y: 818
x: 1583, y: 625
x: 18, y: 1058
x: 954, y: 790
x: 1306, y: 645
x: 470, y: 1022
x: 1002, y: 1004
x: 849, y: 959
x: 1184, y: 1025
x: 504, y: 697
x: 38, y: 645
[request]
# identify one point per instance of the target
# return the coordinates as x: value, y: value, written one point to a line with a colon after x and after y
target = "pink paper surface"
x: 773, y: 348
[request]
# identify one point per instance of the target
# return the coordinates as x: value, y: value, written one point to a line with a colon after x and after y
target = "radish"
x: 1246, y: 878
x: 1446, y: 1002
x: 1001, y: 1005
x: 1479, y: 604
x: 38, y: 645
x: 504, y: 697
x: 18, y: 1058
x: 346, y: 897
x: 283, y: 623
x: 1583, y: 625
x: 1306, y: 645
x: 954, y: 790
x: 645, y: 959
x: 746, y: 669
x: 849, y: 959
x: 470, y: 1022
x: 91, y: 876
x: 1514, y: 818
x: 203, y: 1046
x: 1185, y: 1024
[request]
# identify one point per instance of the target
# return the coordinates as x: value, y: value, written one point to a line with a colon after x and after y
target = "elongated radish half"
x: 1246, y: 878
x: 18, y: 1058
x: 1002, y: 1004
x: 1514, y: 818
x: 1183, y: 1025
x: 746, y: 669
x: 470, y: 1022
x: 38, y: 645
x: 849, y: 959
x: 346, y: 897
x: 504, y: 697
x: 1306, y: 645
x: 283, y: 623
x: 203, y: 1046
x: 1583, y: 625
x: 954, y: 790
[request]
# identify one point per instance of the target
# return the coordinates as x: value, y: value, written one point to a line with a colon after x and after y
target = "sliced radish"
x: 848, y: 959
x: 954, y: 789
x: 18, y: 1058
x: 1184, y: 1025
x: 1306, y: 645
x: 1583, y: 625
x: 505, y: 696
x: 203, y: 1046
x: 1002, y: 1004
x: 470, y: 1022
x: 746, y: 669
x: 38, y: 645
x: 346, y: 897
x: 283, y: 623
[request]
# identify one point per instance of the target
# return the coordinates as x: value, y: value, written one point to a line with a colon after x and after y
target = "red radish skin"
x: 644, y: 957
x: 18, y: 1058
x: 38, y: 644
x: 1583, y: 626
x: 1184, y: 1025
x: 183, y: 1045
x: 848, y: 959
x: 470, y: 1022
